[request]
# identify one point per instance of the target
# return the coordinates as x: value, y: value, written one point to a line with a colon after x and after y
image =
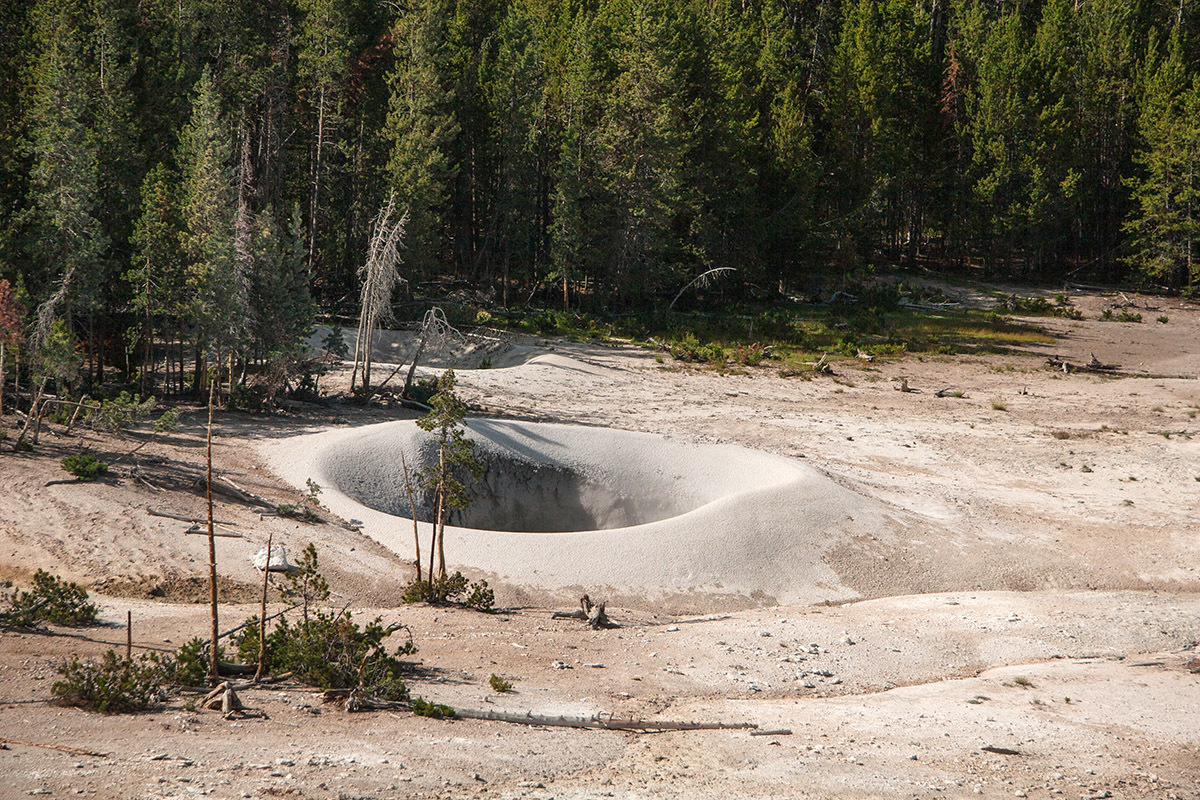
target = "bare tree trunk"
x: 34, y: 413
x: 2, y: 391
x: 437, y: 514
x: 441, y: 523
x: 412, y: 368
x: 412, y: 503
x: 262, y: 617
x: 316, y: 184
x: 212, y: 547
x: 147, y: 336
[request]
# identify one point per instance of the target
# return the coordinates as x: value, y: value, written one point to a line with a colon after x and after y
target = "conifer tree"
x: 64, y: 174
x: 156, y: 276
x: 208, y: 205
x: 420, y: 125
x: 1164, y: 226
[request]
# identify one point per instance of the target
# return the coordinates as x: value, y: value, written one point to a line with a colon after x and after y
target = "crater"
x: 560, y: 507
x: 542, y: 478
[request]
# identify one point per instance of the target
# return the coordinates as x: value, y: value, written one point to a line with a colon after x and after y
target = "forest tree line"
x: 200, y: 175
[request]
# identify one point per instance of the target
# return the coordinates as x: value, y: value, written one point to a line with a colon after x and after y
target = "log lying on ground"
x: 591, y: 613
x: 601, y: 721
x: 1094, y: 365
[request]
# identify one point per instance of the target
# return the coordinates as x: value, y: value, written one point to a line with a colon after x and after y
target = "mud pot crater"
x: 564, y: 506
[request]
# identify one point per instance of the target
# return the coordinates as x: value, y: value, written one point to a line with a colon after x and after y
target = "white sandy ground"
x: 1008, y: 579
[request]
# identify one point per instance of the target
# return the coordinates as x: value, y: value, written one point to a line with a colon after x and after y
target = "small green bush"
x: 84, y: 466
x: 114, y: 685
x: 250, y: 399
x: 119, y: 413
x: 297, y: 511
x: 499, y: 684
x: 189, y: 665
x: 1163, y: 319
x: 691, y: 349
x: 424, y: 708
x: 423, y: 390
x: 168, y: 422
x: 447, y: 589
x: 330, y: 651
x: 50, y: 599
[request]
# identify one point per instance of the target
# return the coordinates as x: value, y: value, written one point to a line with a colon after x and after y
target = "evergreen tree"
x: 323, y: 55
x: 421, y: 126
x: 208, y: 206
x: 64, y: 175
x: 156, y: 277
x: 1164, y: 226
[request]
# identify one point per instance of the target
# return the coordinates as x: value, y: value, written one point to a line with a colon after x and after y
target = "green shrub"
x: 168, y: 422
x: 499, y: 684
x: 689, y: 348
x: 422, y: 390
x: 250, y: 399
x: 297, y: 511
x: 121, y: 412
x: 424, y: 708
x: 84, y: 466
x: 330, y: 651
x: 190, y: 664
x: 50, y: 599
x: 114, y: 685
x: 447, y: 589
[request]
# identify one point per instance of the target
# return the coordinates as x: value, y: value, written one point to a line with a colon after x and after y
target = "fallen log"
x: 1094, y: 365
x: 156, y: 513
x: 591, y: 613
x: 197, y: 530
x: 75, y: 751
x: 599, y: 721
x: 1004, y: 751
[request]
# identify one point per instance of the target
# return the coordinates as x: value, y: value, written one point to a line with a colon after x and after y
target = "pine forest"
x: 190, y: 182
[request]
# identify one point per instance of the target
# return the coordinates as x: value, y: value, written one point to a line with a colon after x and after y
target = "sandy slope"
x: 1023, y: 580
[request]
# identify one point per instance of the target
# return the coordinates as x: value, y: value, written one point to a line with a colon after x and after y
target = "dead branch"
x: 75, y: 751
x: 601, y: 721
x: 196, y: 530
x: 156, y: 513
x: 223, y: 485
x: 591, y: 613
x: 1093, y: 365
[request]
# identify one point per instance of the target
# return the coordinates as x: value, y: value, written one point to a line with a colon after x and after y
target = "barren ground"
x: 1071, y: 648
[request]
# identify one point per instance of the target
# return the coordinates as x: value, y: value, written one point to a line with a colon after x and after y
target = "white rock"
x: 278, y: 562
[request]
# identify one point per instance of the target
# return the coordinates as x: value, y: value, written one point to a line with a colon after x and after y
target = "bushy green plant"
x: 691, y: 349
x: 449, y: 590
x: 297, y: 511
x: 121, y: 412
x: 50, y: 599
x: 189, y: 665
x: 499, y: 684
x: 244, y: 397
x: 305, y: 584
x: 424, y: 708
x: 84, y: 466
x: 113, y: 685
x: 422, y: 390
x: 330, y: 651
x: 168, y: 422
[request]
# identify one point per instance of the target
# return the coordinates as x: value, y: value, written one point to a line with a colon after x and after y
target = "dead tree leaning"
x: 379, y: 275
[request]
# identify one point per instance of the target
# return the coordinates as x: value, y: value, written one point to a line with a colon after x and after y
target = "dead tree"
x: 380, y: 276
x: 437, y: 331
